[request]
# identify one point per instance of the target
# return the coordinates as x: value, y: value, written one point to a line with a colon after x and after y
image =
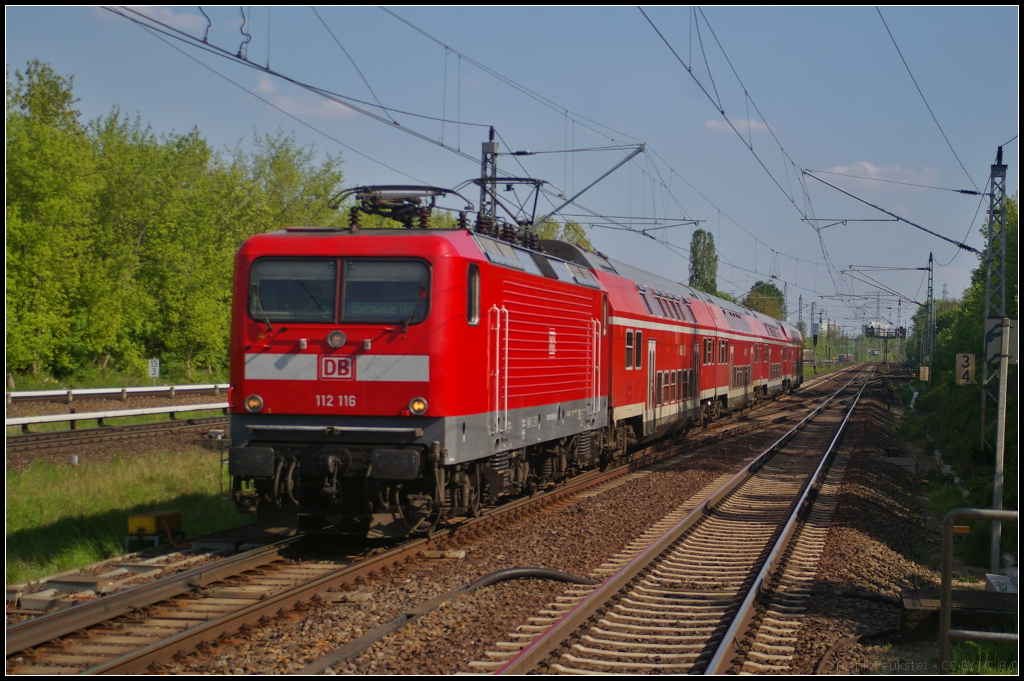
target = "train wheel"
x: 415, y: 500
x: 424, y: 523
x: 474, y: 504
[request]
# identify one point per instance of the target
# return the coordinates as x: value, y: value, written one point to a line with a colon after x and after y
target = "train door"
x: 732, y: 374
x: 695, y: 380
x: 651, y: 413
x: 750, y: 376
x: 594, y: 388
x: 497, y: 370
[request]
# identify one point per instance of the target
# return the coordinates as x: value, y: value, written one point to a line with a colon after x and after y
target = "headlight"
x: 336, y: 339
x: 418, y: 406
x: 254, y: 403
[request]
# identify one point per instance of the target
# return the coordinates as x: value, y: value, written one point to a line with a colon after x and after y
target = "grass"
x: 974, y: 548
x: 944, y: 499
x: 983, y: 657
x: 61, y: 517
x: 809, y: 371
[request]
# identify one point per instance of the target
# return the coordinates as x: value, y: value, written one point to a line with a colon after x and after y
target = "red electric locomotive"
x: 385, y: 379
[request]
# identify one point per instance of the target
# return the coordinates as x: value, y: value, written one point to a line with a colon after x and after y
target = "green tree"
x: 952, y: 412
x: 767, y: 298
x: 289, y: 189
x: 51, y: 188
x: 120, y: 242
x: 44, y: 96
x: 703, y: 262
x: 570, y: 232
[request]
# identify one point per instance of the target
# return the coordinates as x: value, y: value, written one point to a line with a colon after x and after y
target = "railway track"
x: 682, y: 598
x: 58, y: 438
x: 180, y: 613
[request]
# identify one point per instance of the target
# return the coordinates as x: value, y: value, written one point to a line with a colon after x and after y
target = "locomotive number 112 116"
x: 335, y: 400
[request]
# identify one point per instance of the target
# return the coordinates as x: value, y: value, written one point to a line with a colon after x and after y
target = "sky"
x: 732, y: 105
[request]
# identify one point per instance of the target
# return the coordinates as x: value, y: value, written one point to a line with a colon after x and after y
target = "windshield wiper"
x: 415, y: 308
x: 259, y: 307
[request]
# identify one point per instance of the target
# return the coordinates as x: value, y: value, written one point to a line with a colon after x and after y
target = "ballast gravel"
x: 881, y: 528
x: 883, y: 539
x: 575, y: 538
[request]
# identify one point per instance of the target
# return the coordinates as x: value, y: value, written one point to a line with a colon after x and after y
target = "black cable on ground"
x: 356, y: 647
x: 846, y: 641
x: 862, y: 595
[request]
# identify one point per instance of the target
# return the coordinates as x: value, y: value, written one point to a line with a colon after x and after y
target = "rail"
x: 528, y: 658
x: 55, y: 626
x: 731, y: 642
x: 36, y: 631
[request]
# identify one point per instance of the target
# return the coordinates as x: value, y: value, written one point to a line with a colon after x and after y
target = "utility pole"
x: 930, y: 339
x: 899, y: 341
x: 995, y: 310
x: 821, y: 328
x: 489, y: 180
x: 995, y: 276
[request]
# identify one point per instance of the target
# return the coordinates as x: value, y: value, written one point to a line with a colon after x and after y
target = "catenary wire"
x: 900, y: 52
x: 286, y: 113
x: 353, y: 62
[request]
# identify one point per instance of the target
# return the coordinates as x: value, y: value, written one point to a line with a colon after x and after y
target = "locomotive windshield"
x: 293, y: 290
x: 370, y: 291
x: 385, y: 291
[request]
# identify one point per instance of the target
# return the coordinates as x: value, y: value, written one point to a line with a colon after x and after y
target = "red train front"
x: 386, y: 379
x: 379, y: 384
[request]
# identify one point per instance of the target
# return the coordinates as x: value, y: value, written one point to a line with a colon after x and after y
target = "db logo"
x: 337, y: 368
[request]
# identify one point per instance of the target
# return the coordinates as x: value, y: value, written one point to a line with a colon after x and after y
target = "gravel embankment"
x: 576, y: 538
x: 883, y: 539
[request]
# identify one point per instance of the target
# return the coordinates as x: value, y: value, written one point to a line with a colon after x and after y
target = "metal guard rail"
x: 114, y: 393
x: 99, y: 415
x: 946, y: 601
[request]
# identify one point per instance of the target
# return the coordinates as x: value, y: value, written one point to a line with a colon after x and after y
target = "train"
x: 384, y: 380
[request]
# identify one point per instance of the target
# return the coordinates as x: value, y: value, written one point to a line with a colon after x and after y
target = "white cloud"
x: 743, y: 125
x: 266, y: 86
x: 185, y: 21
x: 314, y: 108
x: 893, y: 173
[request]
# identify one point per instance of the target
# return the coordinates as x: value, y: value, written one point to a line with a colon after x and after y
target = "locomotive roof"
x: 574, y: 254
x: 600, y: 262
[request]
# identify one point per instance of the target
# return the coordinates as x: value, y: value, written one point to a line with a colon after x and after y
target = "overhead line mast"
x: 995, y: 313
